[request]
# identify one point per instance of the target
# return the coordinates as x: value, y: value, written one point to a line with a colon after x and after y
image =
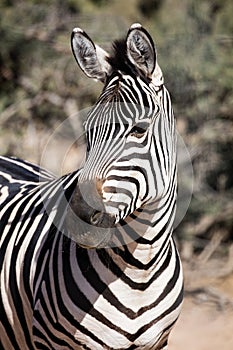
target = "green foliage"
x: 149, y: 7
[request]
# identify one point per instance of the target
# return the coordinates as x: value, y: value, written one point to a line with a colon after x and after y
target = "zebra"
x: 88, y: 259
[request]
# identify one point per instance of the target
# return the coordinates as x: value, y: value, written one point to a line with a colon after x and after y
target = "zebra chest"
x: 91, y: 308
x: 120, y: 321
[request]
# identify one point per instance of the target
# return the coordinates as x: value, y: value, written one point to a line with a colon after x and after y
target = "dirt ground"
x: 202, y: 328
x: 206, y: 321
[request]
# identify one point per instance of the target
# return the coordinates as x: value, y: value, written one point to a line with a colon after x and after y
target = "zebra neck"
x: 146, y: 236
x: 138, y: 265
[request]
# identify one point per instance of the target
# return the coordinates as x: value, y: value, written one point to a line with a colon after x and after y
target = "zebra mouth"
x: 87, y: 222
x: 94, y: 231
x: 89, y: 236
x: 89, y: 241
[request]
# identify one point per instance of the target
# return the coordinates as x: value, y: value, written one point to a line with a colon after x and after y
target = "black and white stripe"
x: 125, y: 292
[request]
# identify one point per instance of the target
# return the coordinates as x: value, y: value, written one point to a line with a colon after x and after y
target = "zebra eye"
x: 139, y: 130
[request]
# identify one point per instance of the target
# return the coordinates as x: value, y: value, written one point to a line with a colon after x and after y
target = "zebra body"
x: 125, y: 292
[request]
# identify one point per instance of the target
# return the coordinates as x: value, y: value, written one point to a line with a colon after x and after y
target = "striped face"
x: 130, y: 130
x: 120, y: 135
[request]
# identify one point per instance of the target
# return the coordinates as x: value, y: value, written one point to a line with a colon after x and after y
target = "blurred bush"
x: 41, y: 86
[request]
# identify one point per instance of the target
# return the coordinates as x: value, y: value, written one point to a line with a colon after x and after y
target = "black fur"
x: 120, y: 62
x: 119, y: 59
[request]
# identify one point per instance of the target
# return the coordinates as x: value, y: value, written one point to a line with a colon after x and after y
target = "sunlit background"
x: 41, y: 86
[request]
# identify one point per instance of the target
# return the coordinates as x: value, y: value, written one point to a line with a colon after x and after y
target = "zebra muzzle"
x: 87, y: 221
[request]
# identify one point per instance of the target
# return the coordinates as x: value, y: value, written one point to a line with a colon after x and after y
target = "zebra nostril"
x: 96, y: 218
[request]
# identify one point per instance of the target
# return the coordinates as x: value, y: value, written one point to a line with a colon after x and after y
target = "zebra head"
x: 129, y: 135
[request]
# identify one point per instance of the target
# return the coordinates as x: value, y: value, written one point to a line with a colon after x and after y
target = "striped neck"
x: 150, y: 232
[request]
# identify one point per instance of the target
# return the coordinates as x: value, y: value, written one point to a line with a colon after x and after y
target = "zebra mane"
x: 118, y: 59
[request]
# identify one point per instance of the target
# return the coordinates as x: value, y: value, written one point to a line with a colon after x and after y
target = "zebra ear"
x: 90, y: 57
x: 141, y: 49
